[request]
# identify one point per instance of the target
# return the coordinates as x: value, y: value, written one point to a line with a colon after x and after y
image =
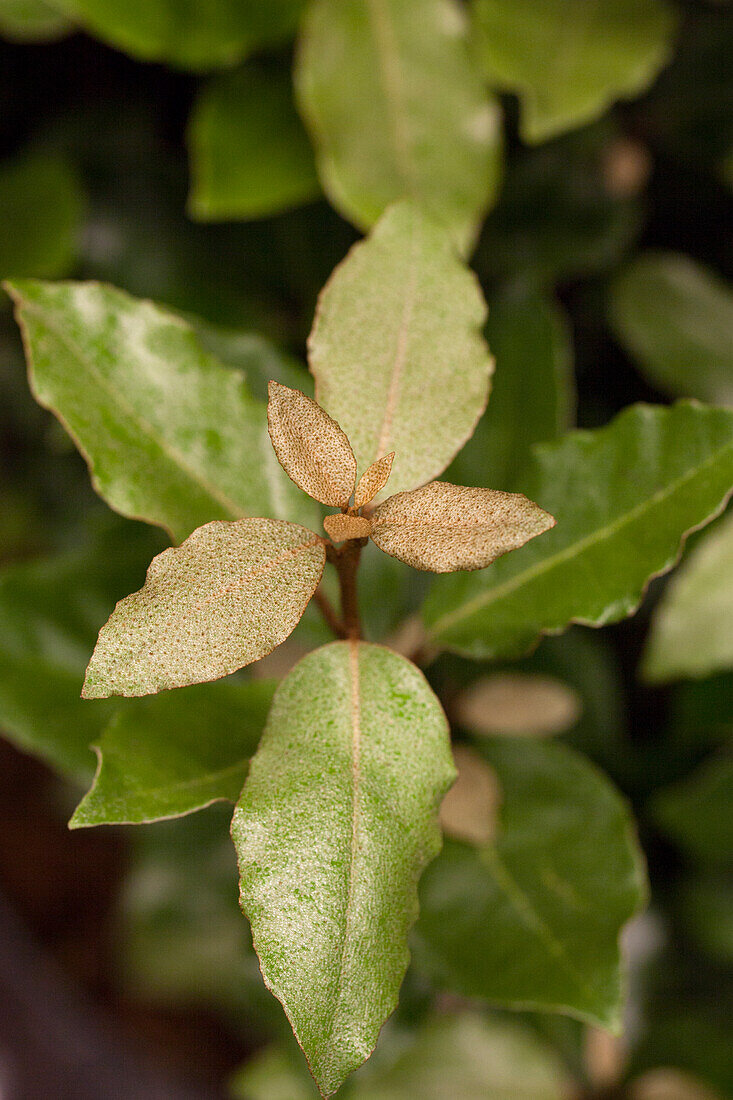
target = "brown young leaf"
x: 341, y: 527
x: 470, y: 809
x: 373, y: 480
x: 224, y: 598
x: 517, y: 704
x: 310, y: 446
x: 443, y: 527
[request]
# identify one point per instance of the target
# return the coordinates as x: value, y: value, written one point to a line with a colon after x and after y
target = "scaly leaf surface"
x: 227, y: 596
x: 396, y: 348
x: 336, y: 822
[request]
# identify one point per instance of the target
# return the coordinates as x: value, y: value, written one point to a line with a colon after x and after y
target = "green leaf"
x: 692, y: 629
x: 173, y: 754
x: 397, y: 110
x: 170, y: 436
x: 50, y: 612
x: 624, y: 498
x: 532, y: 397
x: 676, y: 319
x: 396, y: 349
x: 250, y: 156
x: 31, y: 21
x: 335, y: 825
x: 204, y: 35
x: 569, y: 60
x: 532, y: 920
x: 224, y: 598
x: 41, y: 205
x: 696, y: 811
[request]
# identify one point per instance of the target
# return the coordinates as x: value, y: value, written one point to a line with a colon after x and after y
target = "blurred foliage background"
x: 157, y: 147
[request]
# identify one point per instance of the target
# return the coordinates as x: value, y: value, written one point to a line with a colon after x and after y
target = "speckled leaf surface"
x: 170, y: 435
x: 675, y: 317
x: 175, y: 753
x: 397, y: 108
x: 336, y: 822
x: 692, y: 629
x: 569, y: 60
x: 310, y: 446
x: 396, y: 348
x: 624, y: 497
x: 227, y: 596
x: 443, y: 527
x: 532, y: 920
x: 250, y: 156
x: 50, y: 611
x: 203, y: 35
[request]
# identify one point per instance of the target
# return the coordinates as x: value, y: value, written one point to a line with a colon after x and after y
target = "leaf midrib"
x: 484, y: 599
x: 170, y: 452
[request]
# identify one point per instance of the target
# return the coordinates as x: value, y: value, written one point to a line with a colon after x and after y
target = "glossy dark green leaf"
x: 170, y: 435
x: 176, y: 753
x: 31, y: 21
x: 50, y: 611
x: 569, y: 60
x: 41, y: 203
x: 397, y: 109
x: 335, y: 825
x: 696, y: 812
x: 250, y: 156
x: 203, y: 35
x: 532, y: 396
x: 676, y: 319
x: 624, y: 498
x: 533, y: 919
x: 691, y: 633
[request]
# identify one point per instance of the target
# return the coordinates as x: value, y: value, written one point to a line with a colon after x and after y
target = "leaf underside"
x: 336, y: 822
x: 227, y: 596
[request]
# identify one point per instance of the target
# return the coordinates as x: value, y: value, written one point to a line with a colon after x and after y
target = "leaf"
x: 335, y: 825
x: 340, y: 527
x: 373, y: 480
x: 517, y: 704
x: 397, y: 109
x: 692, y: 629
x: 31, y: 21
x: 532, y: 396
x: 532, y: 921
x: 444, y: 527
x: 676, y: 319
x: 624, y: 497
x: 228, y: 595
x: 250, y: 156
x: 569, y: 60
x: 696, y: 811
x: 170, y: 755
x: 170, y: 436
x: 469, y: 810
x: 50, y: 611
x: 396, y: 348
x: 310, y: 446
x: 41, y: 201
x: 204, y: 35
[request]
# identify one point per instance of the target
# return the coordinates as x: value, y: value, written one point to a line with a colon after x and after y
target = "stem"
x: 346, y: 560
x: 329, y: 614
